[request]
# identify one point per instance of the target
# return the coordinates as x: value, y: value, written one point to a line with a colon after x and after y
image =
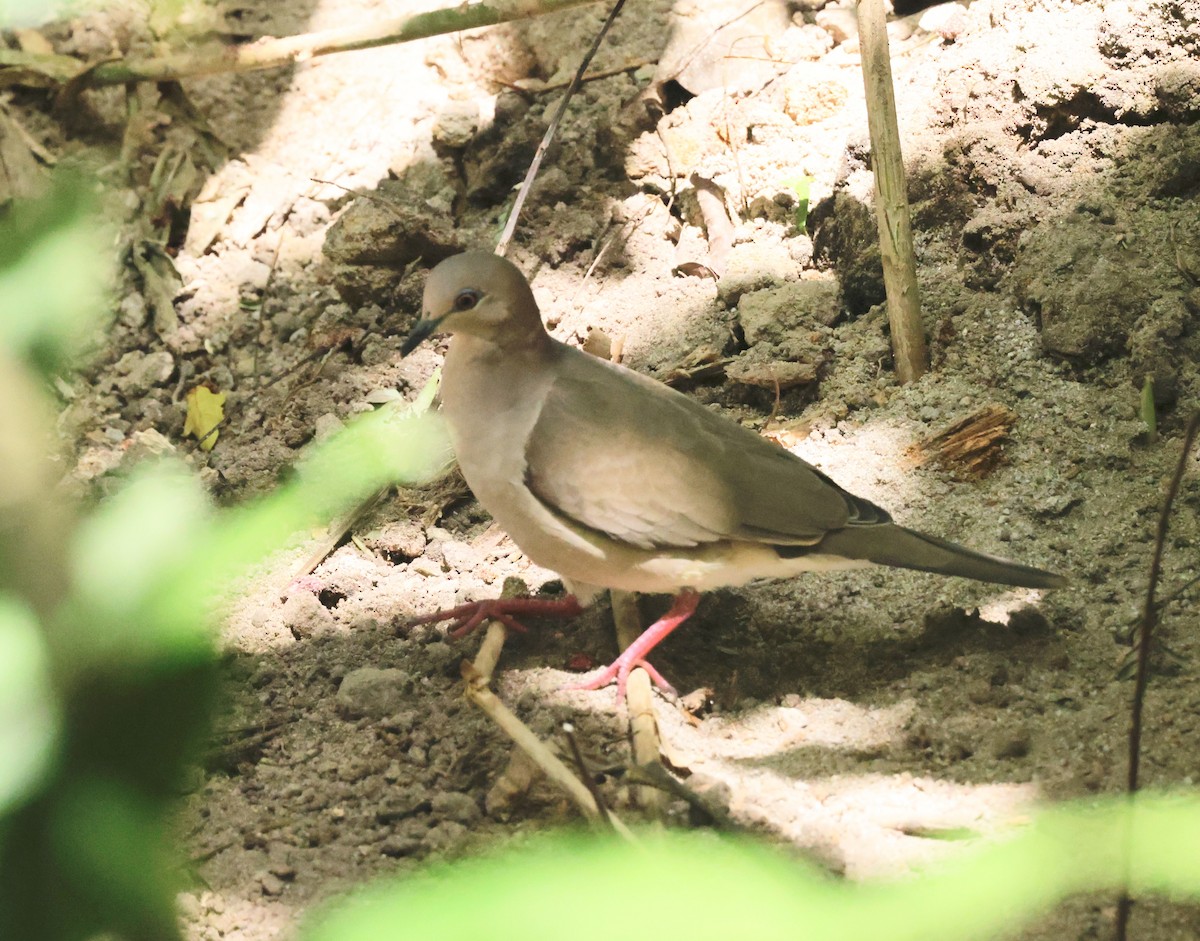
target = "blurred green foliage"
x: 703, y: 888
x: 33, y: 12
x: 56, y: 257
x: 29, y: 714
x: 107, y: 665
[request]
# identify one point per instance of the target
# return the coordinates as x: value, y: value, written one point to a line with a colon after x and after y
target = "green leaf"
x: 800, y: 186
x: 424, y: 400
x: 706, y: 889
x: 29, y: 715
x: 54, y: 269
x: 373, y: 451
x: 34, y: 12
x: 115, y: 869
x: 138, y: 542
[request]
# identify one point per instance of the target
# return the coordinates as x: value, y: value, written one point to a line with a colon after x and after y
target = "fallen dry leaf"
x: 205, y: 410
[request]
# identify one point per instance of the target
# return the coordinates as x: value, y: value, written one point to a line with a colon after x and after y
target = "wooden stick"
x: 329, y: 540
x: 270, y: 52
x: 639, y: 700
x: 891, y: 199
x: 490, y: 650
x: 479, y: 693
x: 643, y: 734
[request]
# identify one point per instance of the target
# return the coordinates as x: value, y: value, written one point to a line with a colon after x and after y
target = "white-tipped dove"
x: 614, y: 480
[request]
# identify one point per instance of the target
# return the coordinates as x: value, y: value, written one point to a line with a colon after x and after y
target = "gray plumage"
x: 614, y: 480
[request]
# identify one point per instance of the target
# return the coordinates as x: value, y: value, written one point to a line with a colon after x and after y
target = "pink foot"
x: 634, y: 655
x: 467, y: 617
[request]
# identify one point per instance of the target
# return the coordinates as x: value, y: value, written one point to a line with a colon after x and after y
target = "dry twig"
x: 532, y: 87
x: 334, y: 533
x: 584, y: 772
x: 476, y: 676
x: 510, y: 226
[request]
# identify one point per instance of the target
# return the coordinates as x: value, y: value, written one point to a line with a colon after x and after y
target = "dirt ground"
x: 1053, y: 157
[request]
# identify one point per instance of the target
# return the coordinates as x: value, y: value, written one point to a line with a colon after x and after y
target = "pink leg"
x: 634, y: 655
x: 467, y: 617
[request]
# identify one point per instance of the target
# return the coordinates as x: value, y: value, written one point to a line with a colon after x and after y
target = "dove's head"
x: 480, y: 294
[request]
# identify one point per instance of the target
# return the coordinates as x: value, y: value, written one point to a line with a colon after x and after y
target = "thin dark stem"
x: 511, y: 225
x: 1150, y: 609
x: 584, y: 774
x: 590, y: 77
x: 1149, y: 621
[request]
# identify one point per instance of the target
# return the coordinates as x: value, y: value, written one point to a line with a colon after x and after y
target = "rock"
x: 1029, y: 622
x: 688, y: 134
x: 454, y: 805
x: 394, y: 234
x: 376, y: 239
x: 1156, y: 347
x: 139, y: 372
x: 499, y: 154
x: 1009, y: 744
x: 753, y: 266
x: 704, y: 36
x: 400, y: 844
x: 770, y: 315
x: 839, y: 22
x: 461, y: 556
x: 1076, y: 278
x: 374, y: 693
x: 456, y: 125
x: 272, y: 885
x: 553, y: 186
x: 305, y: 616
x: 846, y: 238
x: 246, y: 271
x: 402, y: 803
x: 948, y: 20
x: 444, y: 836
x: 813, y: 95
x: 328, y: 424
x: 400, y: 540
x: 441, y: 657
x: 146, y: 445
x: 133, y: 310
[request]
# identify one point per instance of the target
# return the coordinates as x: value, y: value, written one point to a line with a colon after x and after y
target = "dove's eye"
x: 467, y: 299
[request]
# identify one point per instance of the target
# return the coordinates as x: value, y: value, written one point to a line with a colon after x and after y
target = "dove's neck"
x: 481, y: 375
x: 491, y: 399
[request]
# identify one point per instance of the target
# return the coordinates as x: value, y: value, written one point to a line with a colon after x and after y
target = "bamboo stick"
x: 271, y: 52
x: 891, y: 198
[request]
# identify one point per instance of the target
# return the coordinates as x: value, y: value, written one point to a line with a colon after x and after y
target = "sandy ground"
x: 1052, y: 155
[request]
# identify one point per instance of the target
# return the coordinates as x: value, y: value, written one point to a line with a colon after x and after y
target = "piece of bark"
x: 972, y: 446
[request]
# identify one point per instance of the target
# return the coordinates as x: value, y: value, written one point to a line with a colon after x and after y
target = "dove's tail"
x: 889, y: 544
